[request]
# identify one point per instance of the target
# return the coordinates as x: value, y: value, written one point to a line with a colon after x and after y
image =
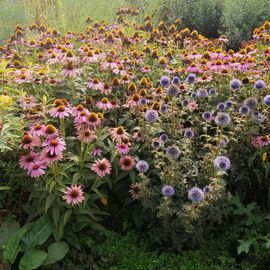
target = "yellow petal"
x: 264, y: 156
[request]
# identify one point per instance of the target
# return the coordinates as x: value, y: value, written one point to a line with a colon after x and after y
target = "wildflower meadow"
x: 133, y: 143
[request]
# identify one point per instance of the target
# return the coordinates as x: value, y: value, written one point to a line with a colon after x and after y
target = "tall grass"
x: 11, y: 13
x: 72, y: 17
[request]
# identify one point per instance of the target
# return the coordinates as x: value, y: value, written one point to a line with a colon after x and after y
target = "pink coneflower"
x: 54, y: 145
x: 29, y: 141
x: 69, y: 71
x: 49, y: 158
x: 37, y: 130
x: 25, y: 161
x: 86, y: 135
x: 61, y: 111
x: 101, y: 167
x: 261, y: 141
x: 96, y: 152
x: 107, y: 89
x: 95, y: 84
x: 119, y: 70
x: 137, y: 136
x: 122, y: 148
x: 93, y: 120
x: 114, y: 104
x: 27, y: 102
x: 36, y: 169
x: 104, y: 104
x: 118, y: 134
x: 127, y: 163
x: 145, y: 69
x: 73, y: 195
x: 53, y: 59
x: 76, y: 110
x: 135, y: 190
x: 51, y: 131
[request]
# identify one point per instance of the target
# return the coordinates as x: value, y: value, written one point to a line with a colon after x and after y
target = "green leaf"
x: 4, y: 188
x: 13, y: 247
x: 7, y: 229
x: 56, y: 252
x: 40, y: 232
x: 32, y: 259
x: 67, y: 215
x: 244, y: 246
x: 49, y: 202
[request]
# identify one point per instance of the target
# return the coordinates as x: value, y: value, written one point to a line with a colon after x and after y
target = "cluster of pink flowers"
x: 44, y: 147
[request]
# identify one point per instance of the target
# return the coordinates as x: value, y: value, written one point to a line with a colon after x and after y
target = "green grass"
x: 73, y: 14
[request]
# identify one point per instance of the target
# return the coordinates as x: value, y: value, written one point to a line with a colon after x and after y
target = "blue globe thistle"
x: 185, y: 102
x: 266, y: 100
x: 222, y: 143
x: 196, y: 195
x: 258, y: 118
x: 194, y: 96
x: 202, y: 93
x: 223, y: 119
x: 191, y: 78
x: 259, y: 85
x: 165, y: 81
x: 142, y: 166
x: 167, y: 191
x: 207, y: 189
x: 251, y: 103
x: 212, y: 92
x: 189, y: 134
x: 163, y: 108
x: 228, y: 104
x: 156, y: 143
x: 144, y: 101
x: 235, y: 84
x: 173, y: 152
x: 222, y: 163
x: 244, y: 110
x: 207, y: 116
x: 221, y: 106
x: 151, y: 116
x: 164, y: 137
x: 176, y: 80
x: 173, y: 90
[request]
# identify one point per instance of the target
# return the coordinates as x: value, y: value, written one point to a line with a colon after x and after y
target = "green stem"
x: 62, y: 127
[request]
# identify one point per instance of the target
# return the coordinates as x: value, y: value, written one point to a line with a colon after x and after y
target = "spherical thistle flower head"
x: 196, y: 195
x: 164, y: 137
x: 258, y: 118
x: 165, y: 81
x: 221, y: 106
x: 213, y: 92
x: 251, y: 103
x: 101, y: 167
x: 173, y: 90
x: 223, y: 119
x: 185, y: 102
x: 176, y: 80
x: 228, y: 104
x: 164, y: 108
x: 202, y: 93
x: 235, y: 84
x: 142, y: 166
x: 244, y: 110
x: 259, y: 85
x: 191, y: 78
x: 151, y: 116
x: 173, y: 152
x: 207, y: 116
x: 222, y: 143
x: 266, y: 100
x: 189, y: 134
x: 167, y: 191
x: 222, y: 163
x: 207, y: 189
x: 156, y: 143
x: 73, y: 195
x: 194, y: 96
x: 144, y: 101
